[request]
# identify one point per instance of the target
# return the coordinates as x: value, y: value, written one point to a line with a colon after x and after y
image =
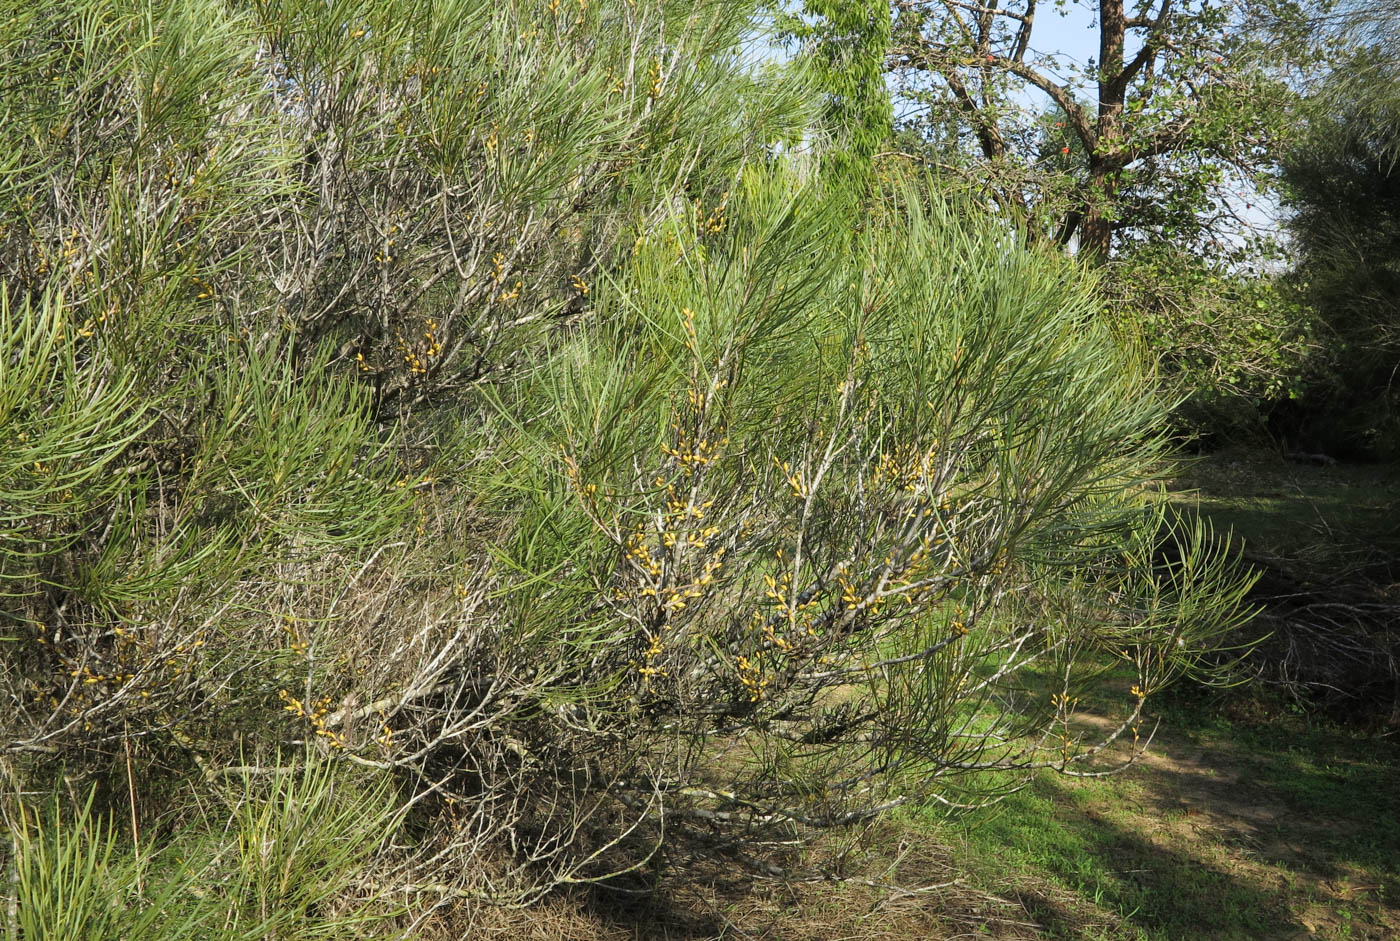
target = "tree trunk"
x: 1096, y: 232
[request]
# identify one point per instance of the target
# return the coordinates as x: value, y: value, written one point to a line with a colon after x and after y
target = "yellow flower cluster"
x: 794, y: 479
x: 655, y: 648
x: 417, y: 364
x: 752, y: 676
x: 693, y: 454
x: 639, y: 552
x: 316, y: 715
x: 675, y: 597
x: 849, y: 596
x: 662, y: 565
x: 295, y: 642
x: 715, y: 221
x: 908, y: 468
x: 70, y: 257
x: 779, y: 591
x: 119, y: 661
x: 690, y: 449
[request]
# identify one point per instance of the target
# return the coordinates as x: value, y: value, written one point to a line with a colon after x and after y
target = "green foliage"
x: 1160, y: 137
x: 475, y: 395
x: 68, y: 880
x: 1232, y: 348
x: 423, y: 187
x: 64, y: 428
x: 1345, y: 193
x: 304, y: 834
x: 844, y: 43
x: 272, y: 866
x: 835, y: 521
x: 239, y: 242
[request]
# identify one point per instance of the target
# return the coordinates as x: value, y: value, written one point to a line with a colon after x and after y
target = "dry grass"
x: 896, y: 882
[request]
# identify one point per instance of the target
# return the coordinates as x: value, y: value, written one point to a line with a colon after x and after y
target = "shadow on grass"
x: 655, y: 915
x: 1229, y: 829
x: 1310, y: 793
x: 1124, y: 883
x: 1325, y: 546
x: 1313, y: 523
x: 707, y: 897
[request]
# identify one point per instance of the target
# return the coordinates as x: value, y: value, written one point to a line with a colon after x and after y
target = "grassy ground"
x: 1326, y: 542
x: 1309, y: 521
x: 1241, y: 823
x: 1252, y: 817
x: 1248, y: 826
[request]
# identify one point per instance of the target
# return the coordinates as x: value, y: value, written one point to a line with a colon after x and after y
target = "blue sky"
x: 1072, y: 36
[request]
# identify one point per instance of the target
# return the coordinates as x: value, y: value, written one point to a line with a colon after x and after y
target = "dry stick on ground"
x: 131, y: 795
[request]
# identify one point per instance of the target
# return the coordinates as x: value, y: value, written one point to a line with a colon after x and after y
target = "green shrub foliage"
x: 869, y: 518
x: 1342, y: 186
x: 487, y: 400
x: 1235, y: 349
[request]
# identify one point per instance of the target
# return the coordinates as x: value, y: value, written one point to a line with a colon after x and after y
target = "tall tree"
x: 1162, y: 134
x: 844, y: 43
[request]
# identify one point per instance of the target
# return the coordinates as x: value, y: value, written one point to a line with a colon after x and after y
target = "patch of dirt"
x: 707, y: 903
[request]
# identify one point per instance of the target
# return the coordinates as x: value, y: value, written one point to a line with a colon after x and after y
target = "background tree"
x: 1343, y: 185
x: 1159, y: 136
x: 1234, y: 349
x: 844, y: 43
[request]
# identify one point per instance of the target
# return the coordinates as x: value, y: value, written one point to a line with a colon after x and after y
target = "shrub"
x: 1234, y: 349
x: 794, y: 534
x: 474, y: 396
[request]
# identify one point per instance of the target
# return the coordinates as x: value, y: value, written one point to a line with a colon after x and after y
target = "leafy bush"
x: 1342, y: 186
x: 475, y: 396
x: 1234, y: 349
x: 805, y: 521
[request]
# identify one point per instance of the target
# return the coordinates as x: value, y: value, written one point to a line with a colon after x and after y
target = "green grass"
x: 1307, y: 520
x: 1235, y: 828
x: 281, y: 854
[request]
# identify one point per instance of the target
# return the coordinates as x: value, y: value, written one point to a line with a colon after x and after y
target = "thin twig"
x: 135, y: 830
